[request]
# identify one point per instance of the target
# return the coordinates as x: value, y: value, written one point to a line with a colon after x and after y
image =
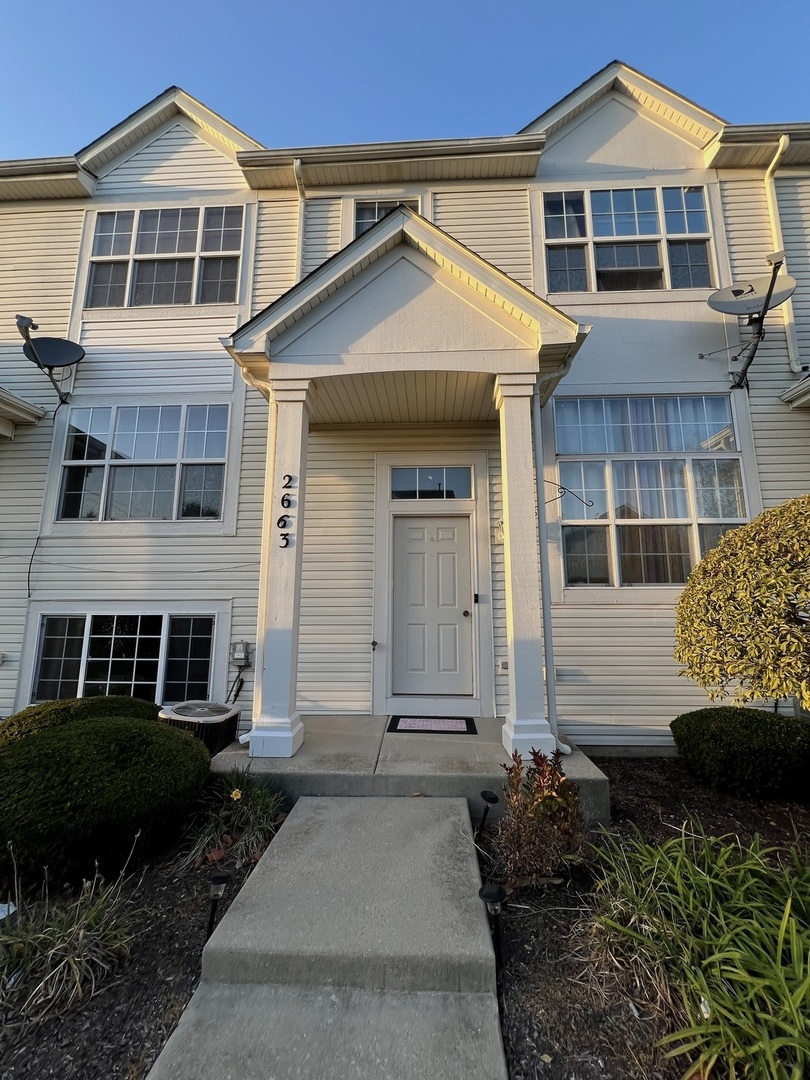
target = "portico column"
x: 526, y: 725
x: 277, y: 728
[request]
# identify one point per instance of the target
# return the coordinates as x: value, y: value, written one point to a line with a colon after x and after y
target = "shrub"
x: 723, y: 930
x: 748, y: 752
x: 541, y: 825
x: 53, y: 953
x: 55, y: 713
x: 79, y: 793
x: 743, y: 619
x: 237, y: 820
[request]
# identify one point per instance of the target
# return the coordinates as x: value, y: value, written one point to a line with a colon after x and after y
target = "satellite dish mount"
x: 49, y: 353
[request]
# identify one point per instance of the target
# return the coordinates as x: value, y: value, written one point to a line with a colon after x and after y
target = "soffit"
x: 404, y: 397
x: 798, y: 395
x: 45, y: 178
x: 383, y: 163
x: 754, y: 146
x: 16, y: 410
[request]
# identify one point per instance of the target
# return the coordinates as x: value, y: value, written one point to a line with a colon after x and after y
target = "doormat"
x: 432, y: 725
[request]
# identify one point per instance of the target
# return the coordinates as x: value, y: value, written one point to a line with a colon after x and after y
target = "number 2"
x: 288, y: 481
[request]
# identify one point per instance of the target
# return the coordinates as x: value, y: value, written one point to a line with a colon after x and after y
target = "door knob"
x: 466, y: 614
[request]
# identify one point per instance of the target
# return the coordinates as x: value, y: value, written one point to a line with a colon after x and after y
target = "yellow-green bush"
x: 743, y: 620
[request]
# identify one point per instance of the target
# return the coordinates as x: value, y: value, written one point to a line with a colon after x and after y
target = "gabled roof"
x: 556, y: 334
x: 620, y: 77
x: 172, y: 102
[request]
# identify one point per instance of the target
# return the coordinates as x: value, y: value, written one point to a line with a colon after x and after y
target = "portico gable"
x: 407, y: 326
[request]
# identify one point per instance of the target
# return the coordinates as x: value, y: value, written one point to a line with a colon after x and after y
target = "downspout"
x: 298, y: 173
x: 542, y: 533
x: 776, y: 236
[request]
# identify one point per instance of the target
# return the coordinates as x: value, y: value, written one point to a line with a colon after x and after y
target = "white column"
x: 277, y: 728
x: 526, y: 725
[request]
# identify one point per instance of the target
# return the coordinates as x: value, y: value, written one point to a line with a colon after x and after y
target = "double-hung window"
x: 157, y: 657
x: 651, y: 485
x: 166, y: 256
x: 627, y: 239
x: 144, y: 463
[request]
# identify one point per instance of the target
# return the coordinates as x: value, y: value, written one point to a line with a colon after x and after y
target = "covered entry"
x: 396, y: 344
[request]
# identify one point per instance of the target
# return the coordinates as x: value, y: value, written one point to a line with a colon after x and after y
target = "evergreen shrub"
x: 748, y: 752
x: 78, y: 794
x: 50, y: 714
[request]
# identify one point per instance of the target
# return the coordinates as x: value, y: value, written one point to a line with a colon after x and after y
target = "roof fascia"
x: 64, y: 175
x: 17, y: 410
x: 621, y: 77
x: 402, y: 225
x: 170, y: 103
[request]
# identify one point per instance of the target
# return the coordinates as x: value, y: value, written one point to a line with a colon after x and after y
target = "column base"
x: 527, y: 735
x: 278, y: 739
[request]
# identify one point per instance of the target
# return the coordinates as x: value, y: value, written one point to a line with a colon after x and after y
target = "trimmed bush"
x: 747, y: 752
x: 55, y: 713
x: 79, y: 793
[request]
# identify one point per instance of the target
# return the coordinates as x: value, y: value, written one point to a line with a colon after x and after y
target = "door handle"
x: 466, y: 614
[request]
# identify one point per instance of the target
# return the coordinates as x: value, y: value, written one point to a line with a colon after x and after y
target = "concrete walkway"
x: 358, y: 948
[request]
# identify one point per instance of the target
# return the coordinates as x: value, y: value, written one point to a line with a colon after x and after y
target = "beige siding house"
x: 437, y: 428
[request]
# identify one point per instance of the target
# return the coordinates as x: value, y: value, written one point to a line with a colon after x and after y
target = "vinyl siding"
x: 321, y: 232
x: 334, y: 660
x: 793, y: 194
x: 167, y: 163
x: 38, y: 253
x: 781, y: 435
x: 494, y: 222
x: 276, y: 241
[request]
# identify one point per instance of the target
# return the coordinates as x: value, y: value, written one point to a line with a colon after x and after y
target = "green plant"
x: 238, y: 818
x: 65, y: 711
x: 748, y: 752
x: 53, y: 953
x: 743, y: 618
x: 541, y: 825
x: 77, y: 794
x: 724, y: 928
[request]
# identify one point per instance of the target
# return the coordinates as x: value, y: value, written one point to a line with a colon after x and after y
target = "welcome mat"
x: 432, y: 725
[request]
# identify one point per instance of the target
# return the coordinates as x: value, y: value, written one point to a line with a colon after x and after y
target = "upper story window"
x: 663, y: 478
x: 163, y: 257
x: 369, y: 212
x: 626, y: 239
x: 144, y: 463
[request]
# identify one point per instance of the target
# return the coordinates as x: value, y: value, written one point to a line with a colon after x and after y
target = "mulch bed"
x: 557, y: 1026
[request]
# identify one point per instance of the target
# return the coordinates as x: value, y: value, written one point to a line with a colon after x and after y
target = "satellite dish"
x: 747, y: 297
x: 53, y: 352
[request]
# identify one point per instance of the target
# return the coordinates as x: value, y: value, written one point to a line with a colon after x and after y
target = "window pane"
x: 653, y: 554
x: 628, y: 212
x: 650, y: 489
x: 141, y: 492
x: 566, y: 268
x: 628, y: 266
x: 120, y: 644
x: 222, y: 228
x: 107, y: 285
x: 166, y: 281
x: 710, y: 534
x: 403, y: 483
x: 689, y: 264
x: 585, y: 549
x: 88, y: 435
x: 430, y: 483
x: 60, y: 652
x: 146, y: 432
x: 218, y: 279
x: 167, y: 232
x: 113, y: 233
x: 206, y: 431
x: 565, y: 215
x: 367, y: 214
x: 80, y: 497
x: 188, y: 663
x: 458, y: 483
x: 718, y: 488
x: 202, y: 491
x: 585, y: 481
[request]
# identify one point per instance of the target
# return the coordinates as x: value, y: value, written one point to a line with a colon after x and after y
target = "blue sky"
x: 305, y: 74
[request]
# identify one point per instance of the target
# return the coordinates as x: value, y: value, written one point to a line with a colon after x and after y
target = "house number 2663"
x: 284, y: 523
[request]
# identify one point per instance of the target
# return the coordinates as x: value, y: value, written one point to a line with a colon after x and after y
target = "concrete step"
x: 361, y: 892
x: 238, y: 1032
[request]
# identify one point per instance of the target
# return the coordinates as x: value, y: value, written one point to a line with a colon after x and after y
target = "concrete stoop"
x: 358, y: 948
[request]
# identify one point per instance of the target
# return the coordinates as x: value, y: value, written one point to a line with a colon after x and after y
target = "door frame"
x: 477, y: 509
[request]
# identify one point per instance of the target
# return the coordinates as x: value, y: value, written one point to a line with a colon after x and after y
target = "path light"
x: 493, y: 894
x: 490, y: 799
x: 217, y: 882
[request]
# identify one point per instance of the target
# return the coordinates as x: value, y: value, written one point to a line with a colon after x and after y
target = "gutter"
x: 776, y: 234
x: 298, y: 173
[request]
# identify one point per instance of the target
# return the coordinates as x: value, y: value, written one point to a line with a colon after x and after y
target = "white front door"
x: 433, y: 613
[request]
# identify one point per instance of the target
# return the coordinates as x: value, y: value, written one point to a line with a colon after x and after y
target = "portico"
x: 400, y: 543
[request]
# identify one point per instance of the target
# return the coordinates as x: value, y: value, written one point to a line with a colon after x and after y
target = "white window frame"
x: 197, y: 256
x: 394, y: 200
x: 219, y: 610
x: 51, y: 524
x: 661, y: 239
x: 663, y: 595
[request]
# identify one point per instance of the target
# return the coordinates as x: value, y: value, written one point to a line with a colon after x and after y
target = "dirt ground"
x: 556, y: 1024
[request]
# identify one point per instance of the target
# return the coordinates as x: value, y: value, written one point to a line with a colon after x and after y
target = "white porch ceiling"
x: 404, y: 397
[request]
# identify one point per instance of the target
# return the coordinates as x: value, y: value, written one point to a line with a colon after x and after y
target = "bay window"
x: 651, y: 485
